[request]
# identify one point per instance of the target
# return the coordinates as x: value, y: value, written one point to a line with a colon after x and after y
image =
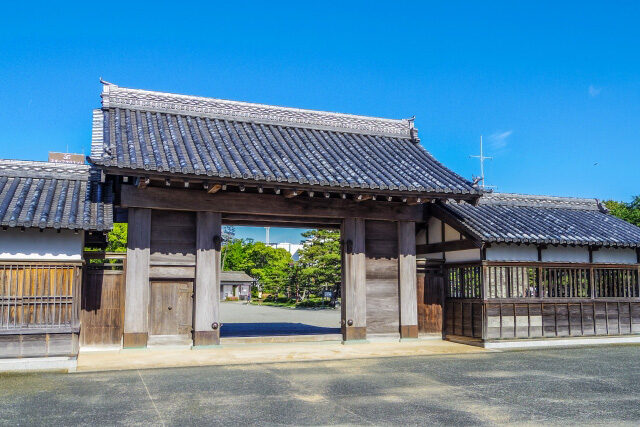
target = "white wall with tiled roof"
x: 33, y: 245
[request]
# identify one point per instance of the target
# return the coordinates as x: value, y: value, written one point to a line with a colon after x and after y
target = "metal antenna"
x: 482, y: 158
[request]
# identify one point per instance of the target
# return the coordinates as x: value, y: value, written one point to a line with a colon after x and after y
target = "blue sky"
x: 554, y: 87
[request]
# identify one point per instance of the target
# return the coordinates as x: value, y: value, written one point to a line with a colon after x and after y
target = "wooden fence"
x: 102, y: 312
x: 517, y: 280
x: 39, y: 296
x: 494, y: 300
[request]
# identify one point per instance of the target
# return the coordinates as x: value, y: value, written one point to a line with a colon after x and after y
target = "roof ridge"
x: 114, y: 96
x: 36, y: 168
x: 539, y: 196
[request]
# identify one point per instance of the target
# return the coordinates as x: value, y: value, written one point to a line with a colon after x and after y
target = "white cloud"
x: 594, y: 91
x: 499, y: 140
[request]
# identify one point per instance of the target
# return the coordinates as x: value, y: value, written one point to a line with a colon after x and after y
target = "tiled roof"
x: 53, y: 195
x: 501, y: 217
x: 167, y: 133
x: 235, y: 276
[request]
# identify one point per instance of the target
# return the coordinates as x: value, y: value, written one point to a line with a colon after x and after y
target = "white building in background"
x: 292, y: 248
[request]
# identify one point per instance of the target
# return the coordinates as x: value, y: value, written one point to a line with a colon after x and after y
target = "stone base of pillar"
x: 135, y: 339
x: 409, y: 331
x: 202, y: 338
x: 354, y: 333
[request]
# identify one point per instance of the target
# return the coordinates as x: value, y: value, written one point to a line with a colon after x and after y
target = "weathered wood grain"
x: 407, y: 279
x: 265, y: 204
x: 354, y: 291
x: 382, y: 289
x: 207, y: 290
x: 136, y: 318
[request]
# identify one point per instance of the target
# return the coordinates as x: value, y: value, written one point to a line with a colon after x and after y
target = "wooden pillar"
x: 354, y: 293
x: 206, y: 305
x: 136, y: 305
x: 407, y: 279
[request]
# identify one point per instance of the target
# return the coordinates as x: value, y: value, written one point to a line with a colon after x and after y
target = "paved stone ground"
x: 559, y: 386
x: 247, y: 320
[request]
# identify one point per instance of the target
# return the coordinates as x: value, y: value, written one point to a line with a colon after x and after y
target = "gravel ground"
x: 558, y: 386
x: 241, y: 319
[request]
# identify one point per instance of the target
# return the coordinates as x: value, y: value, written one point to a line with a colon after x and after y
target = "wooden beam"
x: 136, y: 318
x: 264, y: 204
x: 143, y: 182
x: 416, y: 200
x: 363, y: 197
x: 206, y: 304
x: 354, y: 278
x: 455, y: 245
x: 288, y: 194
x: 283, y: 224
x: 230, y: 217
x: 407, y: 279
x: 214, y: 188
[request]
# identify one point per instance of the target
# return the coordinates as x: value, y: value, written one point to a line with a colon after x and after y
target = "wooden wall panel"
x: 102, y: 308
x: 635, y: 317
x: 534, y: 320
x: 354, y: 281
x: 173, y: 237
x: 38, y: 345
x: 600, y: 316
x: 430, y: 303
x: 381, y: 251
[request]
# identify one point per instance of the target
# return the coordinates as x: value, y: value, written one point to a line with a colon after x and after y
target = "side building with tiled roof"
x: 519, y: 266
x: 45, y: 209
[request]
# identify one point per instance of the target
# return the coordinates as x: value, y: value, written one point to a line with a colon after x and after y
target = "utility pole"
x: 267, y: 238
x: 482, y: 158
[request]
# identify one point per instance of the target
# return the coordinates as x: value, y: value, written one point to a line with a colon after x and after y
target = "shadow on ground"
x: 273, y: 329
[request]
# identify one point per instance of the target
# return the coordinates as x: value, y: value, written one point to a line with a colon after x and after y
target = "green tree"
x: 629, y: 212
x: 117, y: 238
x: 270, y: 266
x: 320, y: 260
x: 234, y: 254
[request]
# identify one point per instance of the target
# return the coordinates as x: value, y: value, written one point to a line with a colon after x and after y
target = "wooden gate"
x: 171, y: 308
x: 430, y: 300
x: 102, y: 314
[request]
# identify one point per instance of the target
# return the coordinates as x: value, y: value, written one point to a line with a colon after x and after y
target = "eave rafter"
x: 287, y: 190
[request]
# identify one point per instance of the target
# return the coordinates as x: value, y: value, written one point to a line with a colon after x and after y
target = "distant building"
x: 235, y: 284
x: 292, y: 248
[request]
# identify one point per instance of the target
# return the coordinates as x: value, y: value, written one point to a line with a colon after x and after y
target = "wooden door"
x: 171, y: 308
x: 102, y: 302
x: 430, y: 302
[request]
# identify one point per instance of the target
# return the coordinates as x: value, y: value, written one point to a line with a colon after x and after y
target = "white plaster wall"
x: 615, y: 256
x: 504, y: 252
x: 434, y: 227
x: 466, y: 255
x: 435, y: 230
x: 450, y: 234
x: 565, y: 254
x: 48, y: 245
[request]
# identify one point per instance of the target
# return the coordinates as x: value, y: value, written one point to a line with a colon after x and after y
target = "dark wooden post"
x: 136, y: 312
x: 354, y: 292
x: 407, y: 279
x: 206, y: 304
